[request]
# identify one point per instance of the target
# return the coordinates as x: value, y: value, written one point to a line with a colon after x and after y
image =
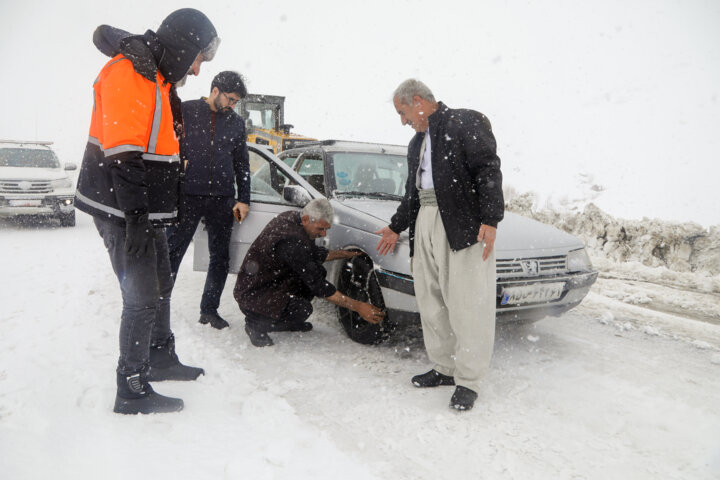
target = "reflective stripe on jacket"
x: 131, y: 162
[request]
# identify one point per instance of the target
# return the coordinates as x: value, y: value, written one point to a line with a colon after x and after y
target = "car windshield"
x: 369, y: 174
x: 27, y: 157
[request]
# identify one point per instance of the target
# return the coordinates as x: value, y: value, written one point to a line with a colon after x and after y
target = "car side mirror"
x: 296, y: 195
x: 70, y: 166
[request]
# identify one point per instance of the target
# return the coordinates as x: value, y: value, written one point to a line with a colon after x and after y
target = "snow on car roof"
x: 352, y: 146
x: 32, y: 144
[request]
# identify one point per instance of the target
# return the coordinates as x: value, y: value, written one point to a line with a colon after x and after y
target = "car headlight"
x: 579, y: 261
x: 62, y: 183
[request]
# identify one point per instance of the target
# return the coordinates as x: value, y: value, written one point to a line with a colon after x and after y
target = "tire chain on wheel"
x: 383, y: 331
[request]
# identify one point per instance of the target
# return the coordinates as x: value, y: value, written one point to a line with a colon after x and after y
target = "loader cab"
x: 262, y: 111
x: 265, y: 122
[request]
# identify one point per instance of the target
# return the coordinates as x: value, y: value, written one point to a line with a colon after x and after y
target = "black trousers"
x: 295, y: 313
x: 145, y: 284
x: 217, y: 211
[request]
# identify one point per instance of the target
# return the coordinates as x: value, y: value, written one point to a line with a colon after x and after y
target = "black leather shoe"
x: 432, y: 379
x: 259, y: 339
x: 215, y: 320
x: 294, y: 327
x: 463, y: 398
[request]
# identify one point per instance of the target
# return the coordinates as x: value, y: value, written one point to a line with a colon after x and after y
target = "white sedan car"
x: 540, y: 270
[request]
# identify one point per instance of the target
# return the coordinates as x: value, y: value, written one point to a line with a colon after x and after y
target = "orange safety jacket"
x: 131, y: 163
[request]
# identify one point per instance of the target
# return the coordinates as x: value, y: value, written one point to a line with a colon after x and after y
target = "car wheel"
x: 67, y: 219
x: 359, y: 281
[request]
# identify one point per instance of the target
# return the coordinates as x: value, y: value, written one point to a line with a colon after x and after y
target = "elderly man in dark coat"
x: 452, y: 205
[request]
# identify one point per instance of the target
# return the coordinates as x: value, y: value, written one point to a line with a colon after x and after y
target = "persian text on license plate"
x: 25, y: 203
x: 541, y: 292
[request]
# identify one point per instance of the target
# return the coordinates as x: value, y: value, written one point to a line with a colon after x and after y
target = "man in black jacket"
x: 217, y: 160
x: 128, y: 182
x: 452, y: 205
x: 282, y: 272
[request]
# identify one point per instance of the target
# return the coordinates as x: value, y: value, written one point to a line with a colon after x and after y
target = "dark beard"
x: 218, y: 107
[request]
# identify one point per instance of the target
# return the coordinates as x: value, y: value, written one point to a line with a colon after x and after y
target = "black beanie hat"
x: 184, y: 34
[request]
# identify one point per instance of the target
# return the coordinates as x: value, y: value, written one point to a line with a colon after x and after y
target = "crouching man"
x: 283, y: 271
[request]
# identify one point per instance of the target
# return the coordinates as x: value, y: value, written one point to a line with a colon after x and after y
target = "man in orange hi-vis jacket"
x: 129, y: 183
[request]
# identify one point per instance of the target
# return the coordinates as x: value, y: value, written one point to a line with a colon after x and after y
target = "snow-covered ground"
x: 598, y: 107
x: 626, y: 386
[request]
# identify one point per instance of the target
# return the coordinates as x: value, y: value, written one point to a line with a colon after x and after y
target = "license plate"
x: 542, y: 292
x: 25, y: 203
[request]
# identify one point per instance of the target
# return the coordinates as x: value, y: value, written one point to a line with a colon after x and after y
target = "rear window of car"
x: 28, y: 157
x: 289, y: 159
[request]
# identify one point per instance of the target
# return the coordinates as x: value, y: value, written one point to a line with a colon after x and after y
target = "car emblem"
x: 530, y: 267
x: 25, y: 185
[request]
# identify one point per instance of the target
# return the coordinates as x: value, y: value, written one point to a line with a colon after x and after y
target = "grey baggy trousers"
x: 455, y: 292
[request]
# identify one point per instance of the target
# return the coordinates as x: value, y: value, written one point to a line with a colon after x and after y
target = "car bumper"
x: 399, y: 294
x: 11, y: 206
x: 576, y: 287
x: 398, y: 290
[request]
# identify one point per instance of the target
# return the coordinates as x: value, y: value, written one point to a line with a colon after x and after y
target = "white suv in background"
x: 33, y: 182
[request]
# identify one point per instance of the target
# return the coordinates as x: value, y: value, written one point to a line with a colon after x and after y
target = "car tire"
x: 358, y: 280
x: 67, y: 219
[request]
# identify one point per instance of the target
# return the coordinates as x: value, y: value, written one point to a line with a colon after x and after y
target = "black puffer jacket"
x: 466, y: 174
x: 120, y: 181
x: 131, y: 179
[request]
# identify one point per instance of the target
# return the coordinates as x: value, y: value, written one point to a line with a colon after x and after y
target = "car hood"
x: 517, y: 236
x: 28, y: 173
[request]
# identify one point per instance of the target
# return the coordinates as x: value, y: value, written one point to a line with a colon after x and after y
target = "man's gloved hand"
x: 139, y: 233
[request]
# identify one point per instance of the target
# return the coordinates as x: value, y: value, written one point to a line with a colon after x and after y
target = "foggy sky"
x: 627, y: 92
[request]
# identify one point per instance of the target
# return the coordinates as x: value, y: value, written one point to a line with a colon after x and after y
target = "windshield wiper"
x: 356, y: 193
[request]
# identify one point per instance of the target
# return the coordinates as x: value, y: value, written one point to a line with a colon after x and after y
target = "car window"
x: 267, y: 181
x: 370, y: 172
x: 311, y: 169
x: 27, y: 157
x: 289, y: 159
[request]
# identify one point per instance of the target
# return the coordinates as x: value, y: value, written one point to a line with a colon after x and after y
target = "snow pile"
x: 681, y: 247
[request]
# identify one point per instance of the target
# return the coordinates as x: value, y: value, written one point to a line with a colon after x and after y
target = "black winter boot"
x: 135, y: 395
x: 165, y: 365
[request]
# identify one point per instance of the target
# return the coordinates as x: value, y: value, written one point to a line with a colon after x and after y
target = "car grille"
x: 531, y: 267
x: 14, y: 186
